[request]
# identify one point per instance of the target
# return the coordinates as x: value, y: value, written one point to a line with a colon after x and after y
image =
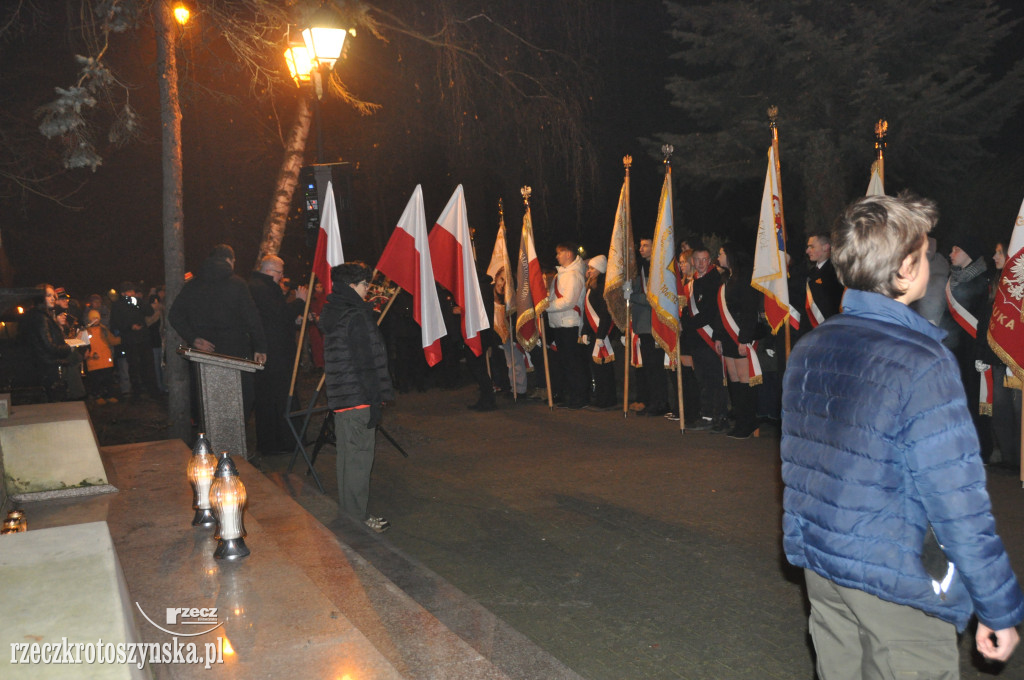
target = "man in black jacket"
x: 214, y: 312
x: 702, y: 323
x: 358, y: 384
x: 128, y: 315
x: 278, y: 317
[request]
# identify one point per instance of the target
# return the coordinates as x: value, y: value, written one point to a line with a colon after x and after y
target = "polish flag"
x: 406, y: 261
x: 328, y: 242
x: 451, y: 251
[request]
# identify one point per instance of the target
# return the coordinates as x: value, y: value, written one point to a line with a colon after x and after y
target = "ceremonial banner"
x: 663, y: 289
x: 406, y: 261
x: 770, y: 275
x: 876, y: 187
x: 328, y: 242
x: 451, y: 254
x: 1006, y: 328
x: 532, y: 294
x: 621, y: 259
x: 500, y: 261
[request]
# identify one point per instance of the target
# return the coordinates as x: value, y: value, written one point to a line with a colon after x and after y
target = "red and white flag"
x: 328, y: 242
x: 532, y: 294
x: 663, y: 287
x: 770, y: 275
x: 451, y: 252
x: 1006, y: 327
x: 406, y: 261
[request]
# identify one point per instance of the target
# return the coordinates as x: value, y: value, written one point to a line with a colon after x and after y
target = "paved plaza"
x: 621, y: 547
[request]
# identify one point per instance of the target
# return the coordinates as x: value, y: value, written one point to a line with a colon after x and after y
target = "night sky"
x: 232, y: 151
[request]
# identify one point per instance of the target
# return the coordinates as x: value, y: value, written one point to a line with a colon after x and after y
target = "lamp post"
x: 312, y: 60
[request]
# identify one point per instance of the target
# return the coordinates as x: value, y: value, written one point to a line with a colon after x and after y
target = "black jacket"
x: 216, y: 306
x: 826, y: 289
x: 278, y: 319
x: 705, y: 292
x: 355, y: 357
x: 43, y: 335
x: 124, y: 314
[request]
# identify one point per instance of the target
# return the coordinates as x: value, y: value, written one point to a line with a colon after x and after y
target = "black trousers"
x: 269, y: 403
x: 707, y: 365
x: 569, y: 364
x: 653, y: 372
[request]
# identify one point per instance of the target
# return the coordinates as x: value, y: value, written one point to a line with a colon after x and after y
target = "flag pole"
x: 302, y: 335
x: 881, y: 130
x: 627, y: 288
x: 508, y: 282
x: 667, y: 150
x: 773, y: 113
x: 526, y: 192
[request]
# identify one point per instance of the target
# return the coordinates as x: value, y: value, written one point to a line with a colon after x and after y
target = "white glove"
x: 981, y: 366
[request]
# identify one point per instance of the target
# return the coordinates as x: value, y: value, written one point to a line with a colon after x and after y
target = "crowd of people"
x: 902, y: 383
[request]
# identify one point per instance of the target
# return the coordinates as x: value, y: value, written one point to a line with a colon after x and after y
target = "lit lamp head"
x: 324, y: 37
x: 300, y: 65
x: 227, y: 495
x: 201, y: 467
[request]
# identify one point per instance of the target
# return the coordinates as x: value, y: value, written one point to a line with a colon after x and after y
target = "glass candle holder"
x: 228, y: 497
x: 201, y: 468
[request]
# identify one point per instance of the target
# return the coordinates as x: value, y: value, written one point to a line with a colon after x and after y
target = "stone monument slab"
x: 50, y: 451
x: 64, y: 586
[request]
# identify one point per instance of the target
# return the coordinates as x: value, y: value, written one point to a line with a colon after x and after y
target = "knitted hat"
x: 965, y: 241
x: 599, y: 262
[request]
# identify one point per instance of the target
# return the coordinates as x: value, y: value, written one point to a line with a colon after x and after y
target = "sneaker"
x: 378, y: 524
x: 700, y: 425
x: 100, y: 401
x: 111, y: 400
x: 672, y: 416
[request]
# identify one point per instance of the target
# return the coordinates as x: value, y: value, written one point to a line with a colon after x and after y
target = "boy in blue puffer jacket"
x: 880, y: 463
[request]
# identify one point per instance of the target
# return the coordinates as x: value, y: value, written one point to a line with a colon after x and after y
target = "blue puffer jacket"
x: 877, y: 444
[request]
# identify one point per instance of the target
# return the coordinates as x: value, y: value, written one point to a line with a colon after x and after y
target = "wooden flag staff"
x: 526, y: 192
x: 667, y: 150
x: 627, y: 288
x: 773, y: 113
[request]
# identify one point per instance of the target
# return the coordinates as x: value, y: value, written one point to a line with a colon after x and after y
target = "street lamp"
x: 181, y: 14
x: 311, y: 61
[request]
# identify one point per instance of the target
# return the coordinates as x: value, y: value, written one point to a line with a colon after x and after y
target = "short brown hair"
x: 874, y: 236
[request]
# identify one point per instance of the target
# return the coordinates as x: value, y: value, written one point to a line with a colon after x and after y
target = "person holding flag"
x: 966, y: 297
x: 702, y: 324
x: 565, y: 314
